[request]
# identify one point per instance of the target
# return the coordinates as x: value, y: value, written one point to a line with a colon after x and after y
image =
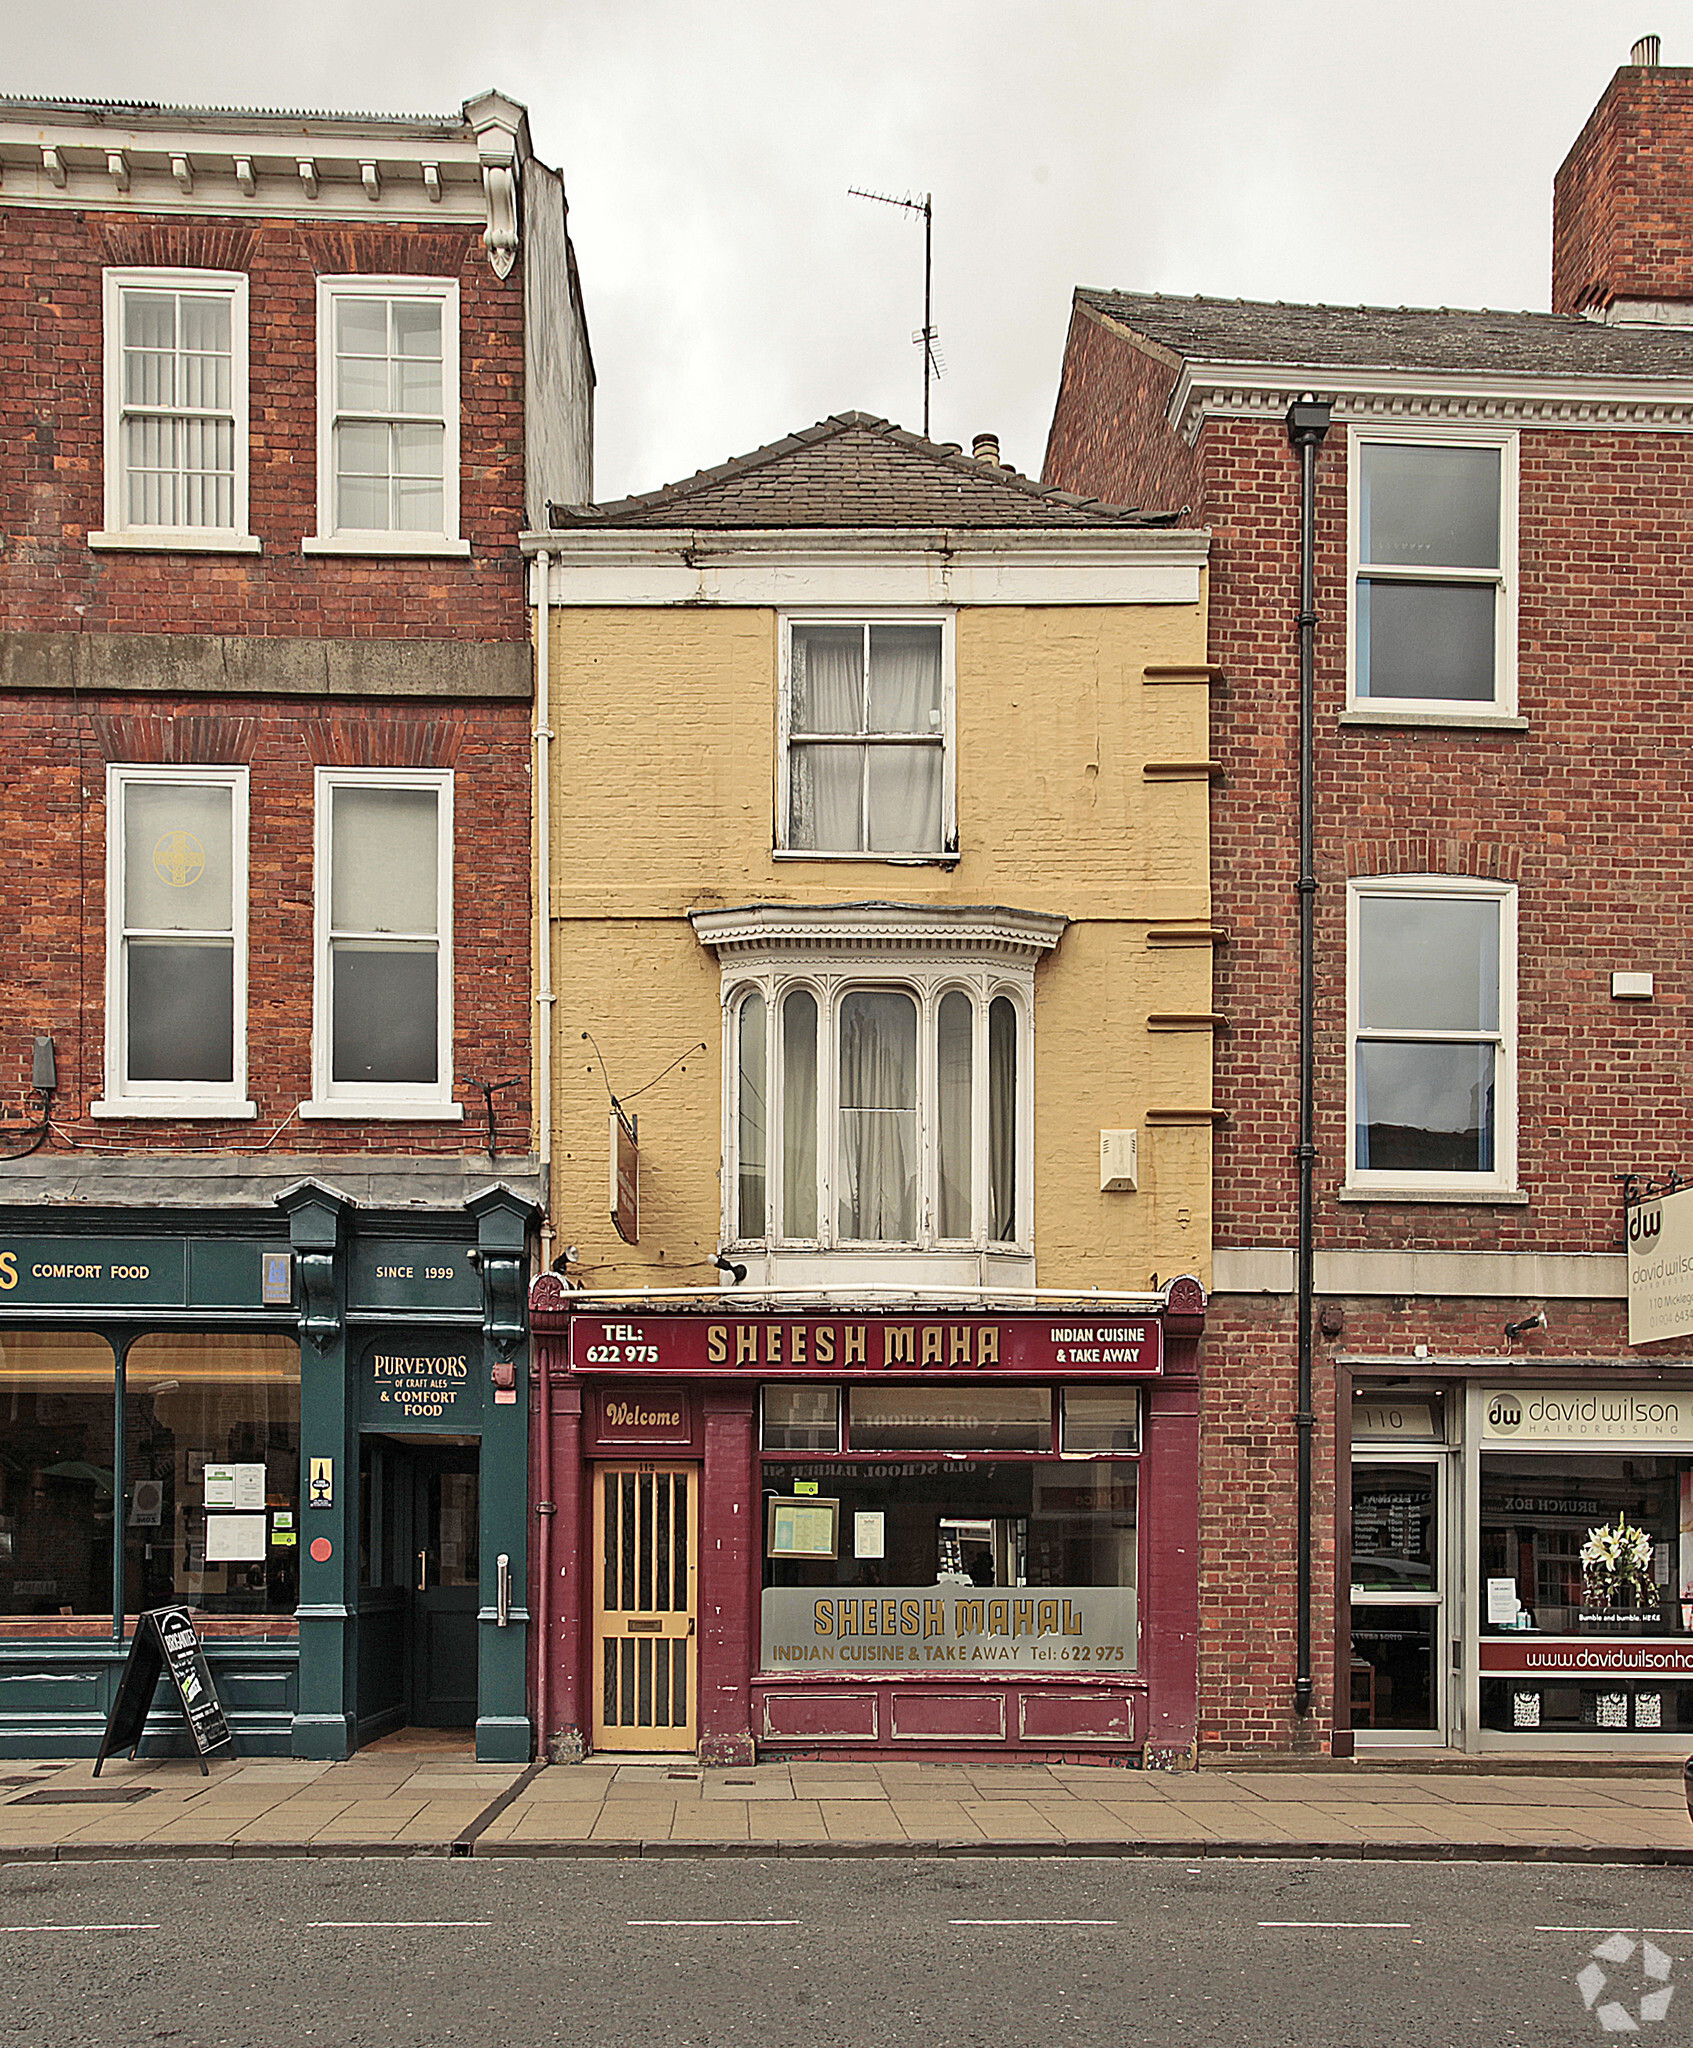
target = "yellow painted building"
x: 841, y: 730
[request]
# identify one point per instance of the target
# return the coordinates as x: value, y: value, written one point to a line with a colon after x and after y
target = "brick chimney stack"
x: 1622, y: 202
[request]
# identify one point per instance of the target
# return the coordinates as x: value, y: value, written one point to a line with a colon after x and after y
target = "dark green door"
x: 445, y: 1581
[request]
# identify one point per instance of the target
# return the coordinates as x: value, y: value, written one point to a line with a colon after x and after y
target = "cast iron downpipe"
x: 1307, y: 423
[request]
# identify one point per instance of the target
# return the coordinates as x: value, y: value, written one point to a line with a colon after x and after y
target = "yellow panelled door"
x: 646, y: 1544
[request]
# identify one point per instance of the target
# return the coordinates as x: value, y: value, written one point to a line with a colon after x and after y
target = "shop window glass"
x: 946, y: 1419
x: 57, y: 1402
x: 1394, y: 1534
x: 936, y: 1539
x: 1101, y: 1419
x: 212, y: 1468
x: 1539, y: 1513
x: 802, y: 1418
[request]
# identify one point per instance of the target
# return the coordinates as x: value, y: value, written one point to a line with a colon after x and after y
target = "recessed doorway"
x: 419, y: 1583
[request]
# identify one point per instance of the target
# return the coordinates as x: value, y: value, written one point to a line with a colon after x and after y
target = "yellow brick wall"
x: 664, y: 790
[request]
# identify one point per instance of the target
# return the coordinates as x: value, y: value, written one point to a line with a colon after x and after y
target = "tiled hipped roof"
x: 1397, y: 338
x: 854, y: 470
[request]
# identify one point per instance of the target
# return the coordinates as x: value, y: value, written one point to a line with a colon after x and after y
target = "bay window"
x: 878, y: 1089
x: 898, y: 1107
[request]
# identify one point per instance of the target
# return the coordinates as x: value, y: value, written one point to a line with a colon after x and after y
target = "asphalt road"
x: 1019, y: 1953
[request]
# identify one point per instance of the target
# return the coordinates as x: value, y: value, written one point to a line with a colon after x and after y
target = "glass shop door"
x: 1402, y: 1613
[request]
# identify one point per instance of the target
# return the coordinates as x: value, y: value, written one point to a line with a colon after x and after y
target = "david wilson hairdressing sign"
x: 828, y: 1347
x: 1591, y: 1415
x: 1660, y: 1268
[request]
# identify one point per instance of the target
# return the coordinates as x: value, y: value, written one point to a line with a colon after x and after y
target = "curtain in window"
x: 799, y: 1114
x: 1002, y: 1120
x: 905, y: 697
x: 179, y: 943
x: 878, y: 1117
x: 827, y: 781
x: 954, y: 1033
x: 750, y: 1121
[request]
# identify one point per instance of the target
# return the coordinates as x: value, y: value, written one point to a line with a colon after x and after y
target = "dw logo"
x: 1504, y: 1412
x: 1644, y: 1223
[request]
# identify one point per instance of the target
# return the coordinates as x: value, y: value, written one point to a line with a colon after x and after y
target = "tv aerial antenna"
x: 925, y: 336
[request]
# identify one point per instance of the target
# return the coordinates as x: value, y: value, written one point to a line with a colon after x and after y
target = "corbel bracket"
x: 317, y: 1218
x: 505, y: 1222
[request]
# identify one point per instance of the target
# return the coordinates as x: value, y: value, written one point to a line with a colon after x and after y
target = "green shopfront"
x: 309, y: 1424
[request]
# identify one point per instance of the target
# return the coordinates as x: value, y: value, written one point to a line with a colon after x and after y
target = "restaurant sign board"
x: 427, y: 1385
x: 925, y: 1344
x: 1086, y: 1630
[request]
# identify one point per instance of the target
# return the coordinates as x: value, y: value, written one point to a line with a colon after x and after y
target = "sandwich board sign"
x: 165, y: 1642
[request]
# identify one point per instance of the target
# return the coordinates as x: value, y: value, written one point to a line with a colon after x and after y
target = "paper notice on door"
x: 868, y: 1539
x: 249, y: 1486
x: 1501, y: 1602
x: 235, y: 1539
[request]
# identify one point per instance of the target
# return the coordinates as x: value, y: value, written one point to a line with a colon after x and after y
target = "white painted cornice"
x: 305, y: 166
x: 1222, y: 390
x: 872, y: 566
x: 848, y: 930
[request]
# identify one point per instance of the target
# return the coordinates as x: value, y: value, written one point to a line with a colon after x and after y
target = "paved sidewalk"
x: 445, y: 1805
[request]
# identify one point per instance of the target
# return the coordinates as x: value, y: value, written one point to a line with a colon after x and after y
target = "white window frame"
x: 946, y: 854
x: 126, y: 1098
x: 330, y: 539
x: 1502, y: 706
x: 118, y: 532
x: 400, y: 1100
x: 926, y: 984
x: 1502, y: 1180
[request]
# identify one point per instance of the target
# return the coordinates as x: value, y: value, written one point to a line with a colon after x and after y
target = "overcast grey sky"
x: 1339, y: 150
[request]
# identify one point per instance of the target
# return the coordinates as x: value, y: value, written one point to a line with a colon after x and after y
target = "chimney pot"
x: 1644, y: 55
x: 985, y: 448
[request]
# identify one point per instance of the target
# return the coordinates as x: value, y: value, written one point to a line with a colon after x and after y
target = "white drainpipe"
x: 544, y: 886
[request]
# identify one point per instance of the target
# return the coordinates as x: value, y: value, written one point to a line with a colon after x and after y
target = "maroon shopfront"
x: 809, y: 1529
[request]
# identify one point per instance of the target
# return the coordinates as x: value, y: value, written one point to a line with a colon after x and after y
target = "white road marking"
x: 1610, y: 1927
x: 399, y: 1923
x: 1381, y: 1926
x: 711, y: 1923
x: 1033, y: 1923
x: 89, y: 1927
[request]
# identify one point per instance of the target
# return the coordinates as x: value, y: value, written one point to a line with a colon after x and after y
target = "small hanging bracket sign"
x: 165, y: 1640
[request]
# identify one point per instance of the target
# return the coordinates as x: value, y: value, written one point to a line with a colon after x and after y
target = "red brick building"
x: 281, y: 392
x: 1499, y: 543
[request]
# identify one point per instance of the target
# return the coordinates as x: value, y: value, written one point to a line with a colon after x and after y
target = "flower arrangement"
x: 1616, y: 1564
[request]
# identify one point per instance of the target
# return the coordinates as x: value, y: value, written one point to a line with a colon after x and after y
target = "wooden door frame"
x: 683, y: 1622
